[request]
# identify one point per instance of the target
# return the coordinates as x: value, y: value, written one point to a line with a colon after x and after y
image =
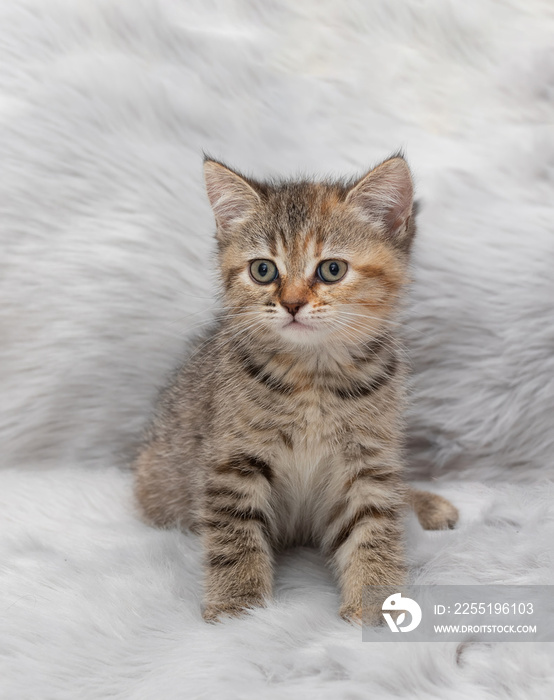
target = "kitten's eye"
x: 263, y: 271
x: 332, y: 270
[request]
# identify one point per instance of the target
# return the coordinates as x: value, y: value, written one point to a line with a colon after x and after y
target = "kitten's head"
x: 308, y: 263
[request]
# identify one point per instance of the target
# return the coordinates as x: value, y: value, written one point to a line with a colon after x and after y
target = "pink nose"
x: 293, y: 307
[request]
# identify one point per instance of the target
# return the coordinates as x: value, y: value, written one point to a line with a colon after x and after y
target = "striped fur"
x: 284, y: 425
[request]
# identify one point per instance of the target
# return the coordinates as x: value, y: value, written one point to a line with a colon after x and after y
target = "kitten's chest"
x: 306, y: 464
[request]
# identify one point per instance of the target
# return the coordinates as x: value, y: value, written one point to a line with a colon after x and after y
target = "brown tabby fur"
x: 270, y: 435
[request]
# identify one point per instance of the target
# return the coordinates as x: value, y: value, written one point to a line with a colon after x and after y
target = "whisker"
x: 347, y: 328
x: 214, y: 318
x: 226, y: 335
x: 397, y: 324
x: 400, y: 324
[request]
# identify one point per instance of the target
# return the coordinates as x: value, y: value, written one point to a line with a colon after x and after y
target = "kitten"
x: 284, y: 426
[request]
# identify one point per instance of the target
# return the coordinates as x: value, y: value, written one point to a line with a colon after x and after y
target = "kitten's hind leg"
x: 434, y: 512
x: 162, y: 491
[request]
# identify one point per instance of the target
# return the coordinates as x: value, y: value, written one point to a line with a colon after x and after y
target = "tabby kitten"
x: 284, y: 426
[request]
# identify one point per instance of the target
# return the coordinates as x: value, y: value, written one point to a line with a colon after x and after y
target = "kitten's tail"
x: 434, y: 512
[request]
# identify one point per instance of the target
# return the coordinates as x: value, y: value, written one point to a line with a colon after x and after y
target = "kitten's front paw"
x: 234, y: 607
x: 357, y: 614
x: 351, y: 613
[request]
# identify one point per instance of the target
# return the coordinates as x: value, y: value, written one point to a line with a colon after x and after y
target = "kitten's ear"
x: 231, y: 197
x: 386, y: 196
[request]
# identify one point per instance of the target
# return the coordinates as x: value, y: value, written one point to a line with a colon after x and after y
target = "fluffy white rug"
x: 105, y: 268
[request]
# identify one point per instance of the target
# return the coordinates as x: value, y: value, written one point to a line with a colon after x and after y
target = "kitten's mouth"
x: 298, y: 325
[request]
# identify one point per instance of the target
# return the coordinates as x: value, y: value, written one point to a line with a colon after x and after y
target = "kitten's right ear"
x: 385, y: 196
x: 231, y: 197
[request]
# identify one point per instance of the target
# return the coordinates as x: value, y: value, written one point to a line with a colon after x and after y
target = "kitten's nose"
x: 293, y: 307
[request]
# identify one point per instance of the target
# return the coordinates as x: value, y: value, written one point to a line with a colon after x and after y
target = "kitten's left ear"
x: 386, y: 196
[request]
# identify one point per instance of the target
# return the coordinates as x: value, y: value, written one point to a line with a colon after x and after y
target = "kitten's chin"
x: 299, y: 333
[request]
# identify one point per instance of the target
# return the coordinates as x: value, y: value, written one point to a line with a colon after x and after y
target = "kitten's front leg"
x: 371, y: 555
x: 365, y: 538
x: 236, y: 538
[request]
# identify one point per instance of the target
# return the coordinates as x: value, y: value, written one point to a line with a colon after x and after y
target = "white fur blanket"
x: 106, y: 266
